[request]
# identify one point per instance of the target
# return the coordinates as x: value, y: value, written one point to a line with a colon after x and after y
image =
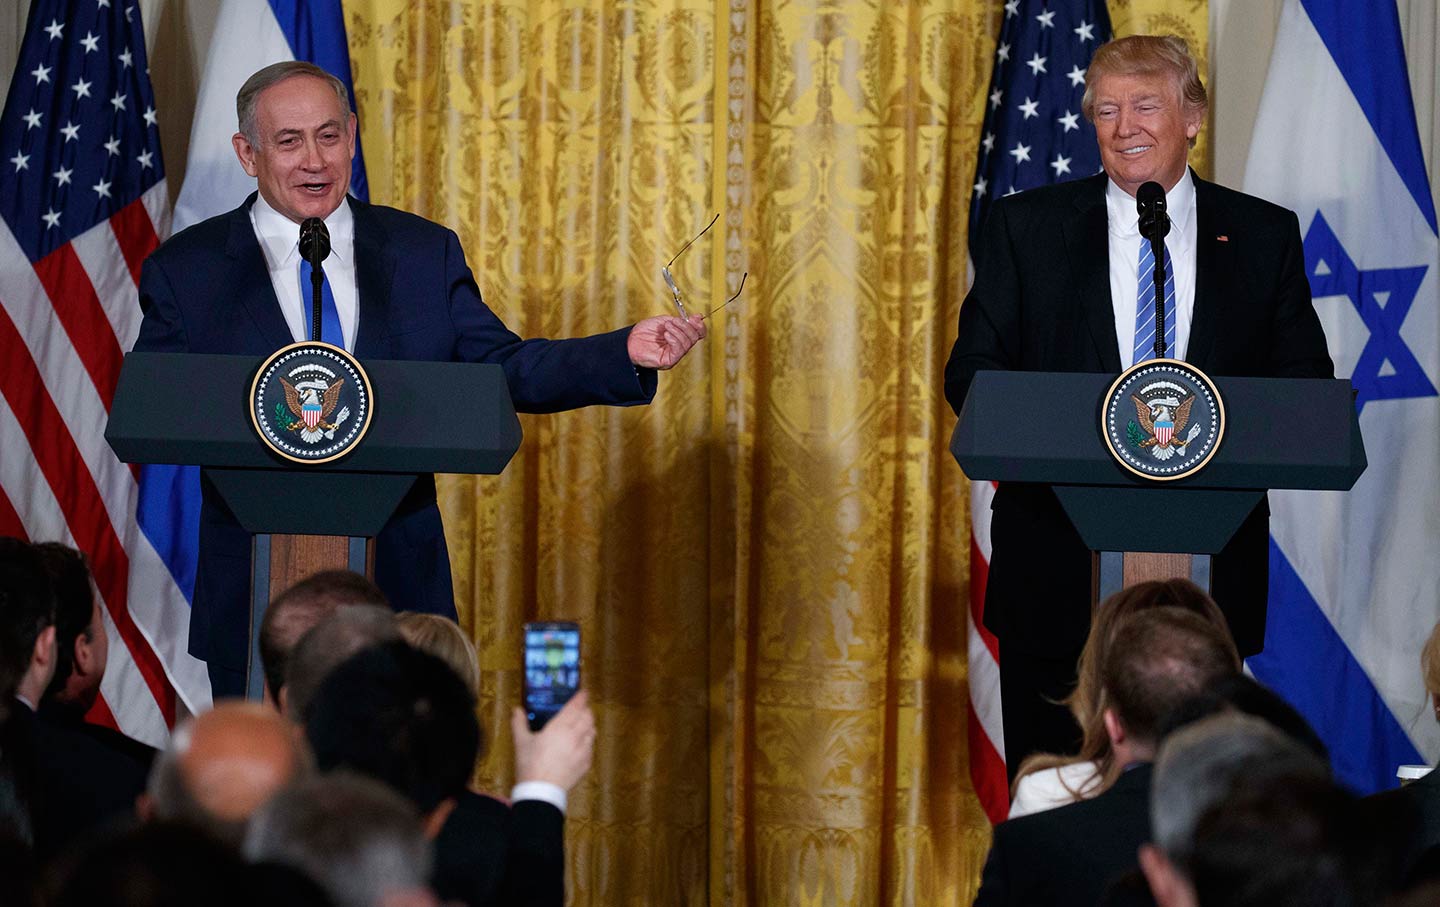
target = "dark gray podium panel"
x: 1167, y: 520
x: 429, y: 416
x: 312, y: 503
x: 1045, y: 427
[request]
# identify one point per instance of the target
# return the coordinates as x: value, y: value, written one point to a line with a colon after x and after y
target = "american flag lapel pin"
x: 1222, y: 238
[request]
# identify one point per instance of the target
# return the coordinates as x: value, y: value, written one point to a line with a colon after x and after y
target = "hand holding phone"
x: 562, y: 752
x: 552, y: 668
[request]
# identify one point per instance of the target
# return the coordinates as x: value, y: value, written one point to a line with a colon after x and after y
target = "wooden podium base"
x: 279, y: 562
x: 1112, y: 571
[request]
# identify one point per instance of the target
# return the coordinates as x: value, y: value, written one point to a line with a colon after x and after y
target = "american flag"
x: 82, y: 203
x: 1034, y: 134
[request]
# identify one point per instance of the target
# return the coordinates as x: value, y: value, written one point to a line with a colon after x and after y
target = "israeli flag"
x: 249, y: 35
x: 1354, y: 577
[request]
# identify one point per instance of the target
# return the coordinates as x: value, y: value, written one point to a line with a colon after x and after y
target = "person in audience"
x: 299, y: 608
x: 70, y: 782
x: 222, y: 765
x: 1068, y: 855
x: 158, y: 864
x: 1420, y: 799
x: 324, y: 646
x: 443, y: 638
x: 1283, y: 841
x: 81, y: 653
x: 359, y: 840
x: 1198, y: 765
x: 404, y: 717
x: 1047, y: 780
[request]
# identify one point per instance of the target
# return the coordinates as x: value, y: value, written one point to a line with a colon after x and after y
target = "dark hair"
x: 159, y: 864
x: 27, y: 607
x: 1295, y: 841
x: 1248, y: 696
x: 400, y: 716
x: 1159, y: 659
x: 302, y: 606
x: 329, y: 643
x: 69, y: 574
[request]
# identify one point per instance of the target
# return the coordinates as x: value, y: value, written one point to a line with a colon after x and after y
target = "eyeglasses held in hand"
x: 675, y: 290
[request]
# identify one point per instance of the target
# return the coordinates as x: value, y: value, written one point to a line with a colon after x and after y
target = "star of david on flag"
x: 1354, y: 583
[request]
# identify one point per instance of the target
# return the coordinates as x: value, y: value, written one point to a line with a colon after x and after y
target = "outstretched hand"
x: 560, y: 752
x: 663, y: 340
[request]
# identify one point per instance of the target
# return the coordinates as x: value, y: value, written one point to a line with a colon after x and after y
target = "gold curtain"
x: 770, y: 561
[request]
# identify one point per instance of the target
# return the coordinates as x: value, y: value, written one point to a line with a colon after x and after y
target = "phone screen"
x: 552, y: 669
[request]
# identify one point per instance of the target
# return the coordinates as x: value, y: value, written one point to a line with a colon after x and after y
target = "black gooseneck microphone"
x: 1154, y: 225
x: 315, y: 248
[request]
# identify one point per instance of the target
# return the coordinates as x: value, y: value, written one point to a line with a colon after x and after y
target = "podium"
x: 1300, y: 433
x: 429, y: 417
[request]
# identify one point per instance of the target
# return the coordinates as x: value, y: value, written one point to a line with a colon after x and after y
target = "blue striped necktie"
x: 1145, y: 306
x: 329, y: 315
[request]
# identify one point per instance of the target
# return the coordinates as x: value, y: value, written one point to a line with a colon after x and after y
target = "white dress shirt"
x: 279, y: 238
x: 1124, y: 222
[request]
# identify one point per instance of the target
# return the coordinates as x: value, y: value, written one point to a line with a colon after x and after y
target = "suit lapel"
x: 374, y: 269
x: 250, y: 279
x: 1087, y: 244
x: 1214, y: 275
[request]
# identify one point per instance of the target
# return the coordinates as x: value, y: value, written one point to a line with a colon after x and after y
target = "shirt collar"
x: 1124, y: 219
x: 280, y: 236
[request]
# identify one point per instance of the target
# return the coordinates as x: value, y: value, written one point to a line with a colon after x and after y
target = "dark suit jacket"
x: 1412, y: 815
x: 1041, y: 302
x: 207, y: 290
x: 488, y: 853
x: 1069, y: 855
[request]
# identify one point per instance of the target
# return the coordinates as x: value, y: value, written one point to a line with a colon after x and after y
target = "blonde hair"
x: 443, y: 638
x: 1088, y: 702
x: 1430, y: 664
x: 1147, y: 55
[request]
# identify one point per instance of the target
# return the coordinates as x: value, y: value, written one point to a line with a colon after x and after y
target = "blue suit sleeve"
x: 162, y: 329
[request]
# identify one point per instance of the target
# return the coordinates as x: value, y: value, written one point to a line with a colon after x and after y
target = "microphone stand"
x: 1157, y: 249
x: 1154, y: 225
x: 317, y: 281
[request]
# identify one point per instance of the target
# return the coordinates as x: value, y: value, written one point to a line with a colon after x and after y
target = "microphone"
x: 315, y: 248
x: 1154, y: 225
x: 1150, y: 202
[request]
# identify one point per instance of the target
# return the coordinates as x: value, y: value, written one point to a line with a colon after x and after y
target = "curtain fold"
x: 770, y: 561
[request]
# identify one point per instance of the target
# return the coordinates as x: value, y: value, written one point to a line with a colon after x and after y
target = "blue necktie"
x: 329, y: 315
x: 1145, y: 306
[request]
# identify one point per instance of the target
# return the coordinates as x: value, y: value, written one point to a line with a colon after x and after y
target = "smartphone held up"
x: 552, y: 668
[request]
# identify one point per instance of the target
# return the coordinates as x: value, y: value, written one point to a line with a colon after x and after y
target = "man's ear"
x: 44, y: 654
x: 245, y: 152
x: 282, y: 700
x: 83, y: 656
x: 1167, y: 885
x: 1113, y: 728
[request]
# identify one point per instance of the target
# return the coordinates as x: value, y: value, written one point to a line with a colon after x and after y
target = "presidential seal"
x: 1162, y: 419
x: 311, y: 402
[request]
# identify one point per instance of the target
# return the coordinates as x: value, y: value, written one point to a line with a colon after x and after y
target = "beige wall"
x: 1242, y: 33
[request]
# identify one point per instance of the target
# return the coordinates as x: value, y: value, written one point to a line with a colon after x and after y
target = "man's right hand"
x: 560, y: 753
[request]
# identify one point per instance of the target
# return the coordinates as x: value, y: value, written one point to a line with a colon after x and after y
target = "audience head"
x: 326, y: 645
x: 81, y: 646
x: 27, y: 624
x: 400, y: 716
x: 296, y: 610
x: 159, y: 864
x: 1087, y: 703
x: 360, y: 841
x: 222, y: 765
x: 443, y: 638
x: 1430, y: 668
x: 1158, y: 659
x: 1239, y: 694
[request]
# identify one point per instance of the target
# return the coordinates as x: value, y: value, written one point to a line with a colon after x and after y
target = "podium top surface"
x: 1045, y: 427
x: 191, y: 409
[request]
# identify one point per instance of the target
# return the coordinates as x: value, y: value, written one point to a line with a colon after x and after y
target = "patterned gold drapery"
x: 770, y: 561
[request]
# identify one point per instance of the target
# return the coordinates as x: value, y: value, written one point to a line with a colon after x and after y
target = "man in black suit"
x: 1070, y: 855
x: 1057, y: 288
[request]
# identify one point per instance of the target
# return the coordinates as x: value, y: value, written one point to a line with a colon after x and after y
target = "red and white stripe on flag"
x: 986, y: 734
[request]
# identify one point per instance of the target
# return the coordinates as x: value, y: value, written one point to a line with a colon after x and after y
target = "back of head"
x: 400, y: 716
x: 1247, y: 696
x: 1146, y: 55
x: 326, y: 645
x: 154, y: 865
x: 301, y: 607
x: 1199, y: 764
x: 27, y: 608
x: 74, y: 607
x: 443, y: 638
x: 357, y: 839
x: 222, y: 765
x: 1282, y: 841
x: 1159, y: 658
x: 1430, y: 666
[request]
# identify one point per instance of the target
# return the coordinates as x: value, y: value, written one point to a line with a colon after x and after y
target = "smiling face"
x: 304, y: 143
x: 1144, y: 129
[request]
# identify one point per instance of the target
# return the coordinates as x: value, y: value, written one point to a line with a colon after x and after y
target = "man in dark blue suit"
x: 397, y: 287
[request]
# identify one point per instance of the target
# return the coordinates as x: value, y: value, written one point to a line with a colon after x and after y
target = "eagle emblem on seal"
x: 1162, y: 418
x: 312, y: 401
